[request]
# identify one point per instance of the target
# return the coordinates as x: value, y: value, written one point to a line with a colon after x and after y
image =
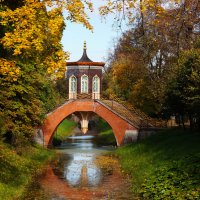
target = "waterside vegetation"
x: 164, y: 166
x: 64, y: 129
x: 105, y: 135
x: 18, y: 171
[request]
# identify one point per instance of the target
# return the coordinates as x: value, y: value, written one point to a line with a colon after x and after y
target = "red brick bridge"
x: 124, y: 123
x: 84, y: 79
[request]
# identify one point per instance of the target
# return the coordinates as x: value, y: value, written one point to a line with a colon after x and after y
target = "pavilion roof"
x: 85, y: 60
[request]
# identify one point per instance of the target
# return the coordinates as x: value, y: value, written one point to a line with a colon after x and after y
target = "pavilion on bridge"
x: 84, y: 77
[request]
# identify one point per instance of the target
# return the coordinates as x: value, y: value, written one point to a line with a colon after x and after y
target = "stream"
x: 81, y: 171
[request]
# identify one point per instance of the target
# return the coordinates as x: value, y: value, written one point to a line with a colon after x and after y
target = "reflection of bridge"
x: 125, y: 123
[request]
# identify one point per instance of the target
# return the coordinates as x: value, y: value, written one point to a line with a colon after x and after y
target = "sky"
x: 99, y: 42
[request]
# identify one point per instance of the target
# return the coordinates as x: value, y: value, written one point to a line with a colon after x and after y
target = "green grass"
x: 164, y: 166
x: 106, y: 138
x: 106, y: 135
x: 64, y: 129
x: 17, y: 171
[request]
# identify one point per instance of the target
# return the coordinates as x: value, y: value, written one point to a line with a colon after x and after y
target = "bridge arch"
x: 119, y: 125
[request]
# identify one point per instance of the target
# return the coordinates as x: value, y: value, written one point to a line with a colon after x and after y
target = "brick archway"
x: 119, y: 125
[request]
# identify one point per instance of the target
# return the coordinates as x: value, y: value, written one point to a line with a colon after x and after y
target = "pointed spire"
x: 84, y: 57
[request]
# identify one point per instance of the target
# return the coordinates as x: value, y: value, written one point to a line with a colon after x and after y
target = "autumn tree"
x: 127, y: 75
x: 158, y: 34
x: 31, y: 60
x: 183, y: 91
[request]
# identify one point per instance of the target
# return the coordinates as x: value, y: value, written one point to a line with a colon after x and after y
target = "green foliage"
x: 25, y: 102
x: 62, y: 87
x: 183, y: 92
x: 109, y: 137
x: 29, y: 94
x: 106, y: 138
x: 177, y: 180
x: 17, y: 171
x: 146, y: 57
x: 164, y: 166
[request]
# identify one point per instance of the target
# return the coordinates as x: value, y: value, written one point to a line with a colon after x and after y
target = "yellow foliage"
x: 26, y: 34
x: 9, y: 69
x: 107, y: 164
x: 37, y: 31
x: 130, y: 8
x: 56, y: 66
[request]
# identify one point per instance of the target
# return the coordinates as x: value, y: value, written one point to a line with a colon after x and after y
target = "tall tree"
x: 157, y: 36
x: 31, y: 60
x: 183, y: 92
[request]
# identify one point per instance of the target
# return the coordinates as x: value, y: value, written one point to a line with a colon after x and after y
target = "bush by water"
x: 17, y: 171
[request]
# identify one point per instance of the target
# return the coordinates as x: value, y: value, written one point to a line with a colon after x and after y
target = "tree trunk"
x: 182, y: 121
x: 191, y: 122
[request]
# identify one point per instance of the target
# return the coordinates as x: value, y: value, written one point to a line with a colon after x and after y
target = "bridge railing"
x: 145, y: 121
x: 93, y: 95
x: 123, y: 108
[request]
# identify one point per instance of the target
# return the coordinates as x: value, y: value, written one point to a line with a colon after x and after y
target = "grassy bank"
x: 64, y: 129
x: 165, y: 166
x: 17, y: 170
x: 106, y: 135
x: 106, y: 138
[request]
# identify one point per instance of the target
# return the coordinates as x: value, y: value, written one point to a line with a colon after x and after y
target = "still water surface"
x: 75, y: 174
x: 80, y: 169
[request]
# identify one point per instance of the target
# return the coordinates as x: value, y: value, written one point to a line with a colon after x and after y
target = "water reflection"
x: 80, y: 170
x: 74, y: 175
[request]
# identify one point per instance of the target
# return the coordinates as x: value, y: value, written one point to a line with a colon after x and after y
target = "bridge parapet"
x: 123, y: 108
x: 133, y: 114
x: 93, y: 95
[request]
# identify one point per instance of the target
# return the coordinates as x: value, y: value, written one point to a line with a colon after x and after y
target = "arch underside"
x: 118, y: 124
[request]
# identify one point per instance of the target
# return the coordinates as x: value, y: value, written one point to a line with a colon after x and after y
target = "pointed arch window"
x: 84, y: 84
x: 96, y: 87
x: 72, y: 87
x: 72, y: 84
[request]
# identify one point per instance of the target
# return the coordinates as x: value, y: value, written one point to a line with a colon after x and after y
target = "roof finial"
x: 84, y: 57
x: 84, y: 45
